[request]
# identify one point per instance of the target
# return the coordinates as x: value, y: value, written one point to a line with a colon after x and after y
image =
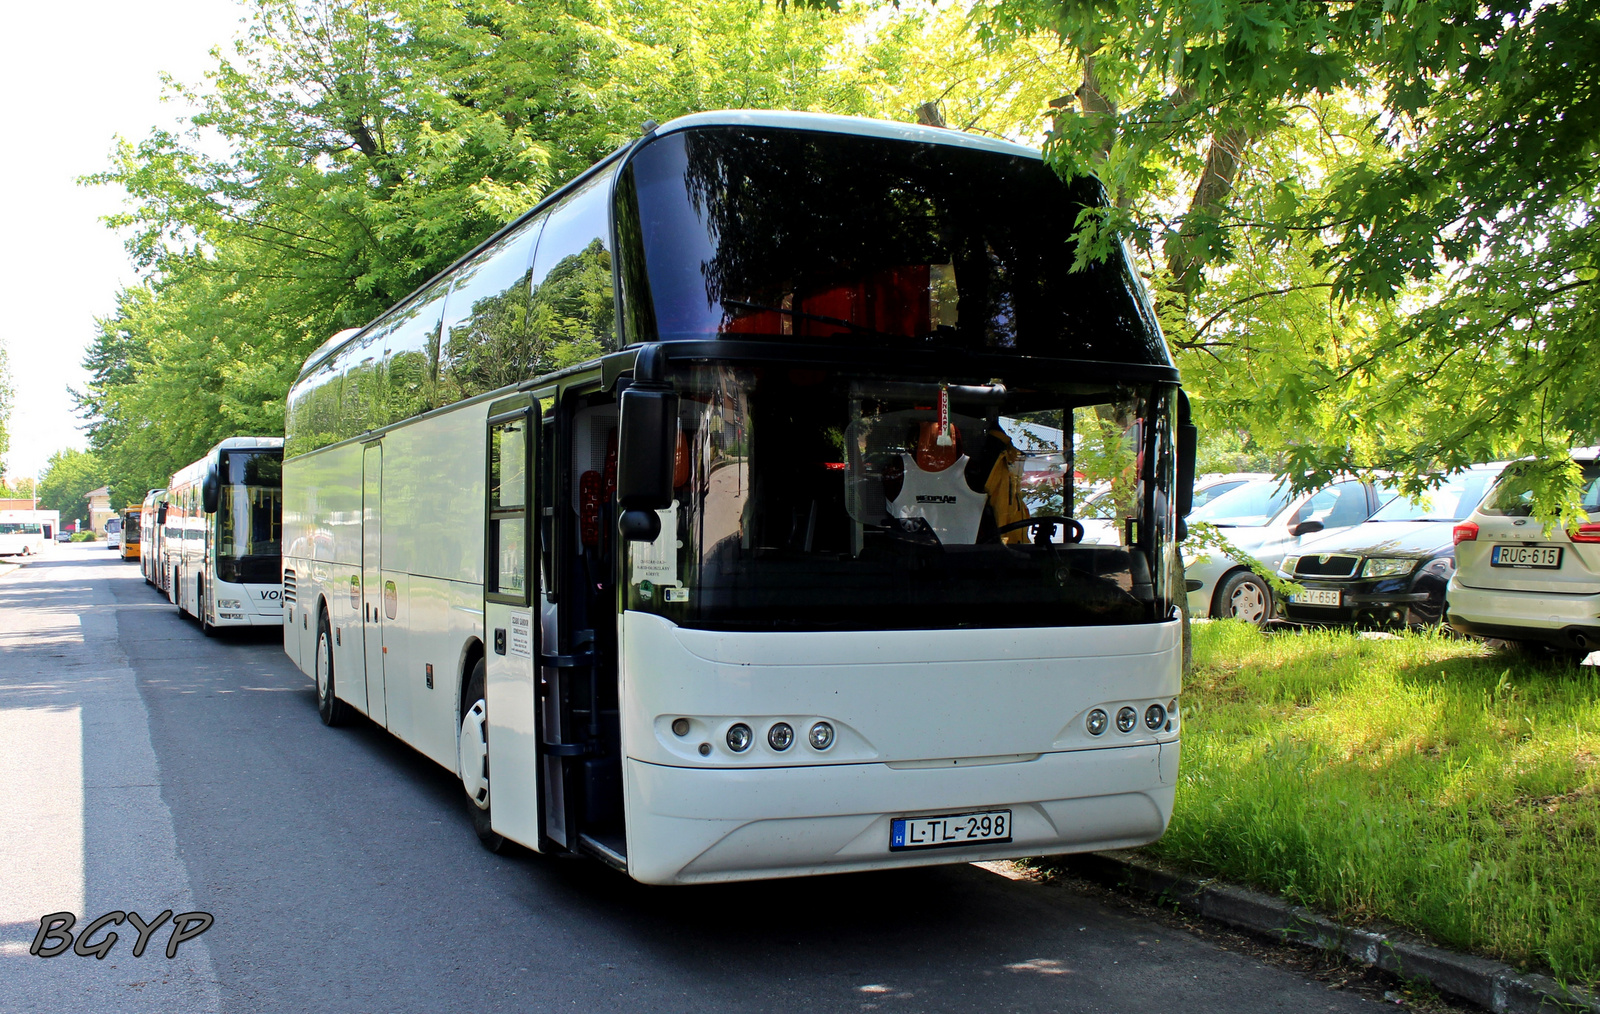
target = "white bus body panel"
x: 429, y: 567
x: 926, y: 722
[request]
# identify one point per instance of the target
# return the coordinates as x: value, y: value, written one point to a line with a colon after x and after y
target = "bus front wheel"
x: 331, y: 710
x: 473, y: 756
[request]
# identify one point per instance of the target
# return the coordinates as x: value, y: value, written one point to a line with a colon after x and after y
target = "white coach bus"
x: 685, y: 504
x: 25, y: 533
x: 221, y: 530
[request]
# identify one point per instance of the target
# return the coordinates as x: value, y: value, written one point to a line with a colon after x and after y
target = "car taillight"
x: 1466, y: 532
x: 1587, y: 532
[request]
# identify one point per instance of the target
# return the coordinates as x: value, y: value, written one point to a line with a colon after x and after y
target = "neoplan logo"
x: 935, y: 498
x: 55, y: 933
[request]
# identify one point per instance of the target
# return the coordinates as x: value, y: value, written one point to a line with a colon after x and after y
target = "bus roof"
x: 858, y: 125
x: 195, y: 469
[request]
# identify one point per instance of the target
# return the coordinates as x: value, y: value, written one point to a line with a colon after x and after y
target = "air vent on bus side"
x: 288, y: 586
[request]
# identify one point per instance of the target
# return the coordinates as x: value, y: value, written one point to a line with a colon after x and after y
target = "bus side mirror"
x: 646, y: 447
x: 211, y: 489
x: 1188, y: 449
x: 161, y: 513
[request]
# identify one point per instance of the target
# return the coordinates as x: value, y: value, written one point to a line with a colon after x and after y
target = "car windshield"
x: 1452, y: 501
x: 1512, y: 496
x: 1209, y: 493
x: 1252, y: 505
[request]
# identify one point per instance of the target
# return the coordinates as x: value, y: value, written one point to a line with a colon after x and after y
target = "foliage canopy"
x: 1370, y: 227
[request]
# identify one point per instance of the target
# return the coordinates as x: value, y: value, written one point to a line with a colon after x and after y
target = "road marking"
x: 41, y: 812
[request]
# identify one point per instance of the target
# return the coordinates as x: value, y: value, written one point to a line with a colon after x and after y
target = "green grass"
x: 1422, y: 781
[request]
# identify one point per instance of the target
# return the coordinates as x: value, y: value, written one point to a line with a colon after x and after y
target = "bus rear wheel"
x: 330, y: 709
x: 473, y: 758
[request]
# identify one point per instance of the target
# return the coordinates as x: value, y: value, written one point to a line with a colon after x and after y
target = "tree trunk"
x: 1223, y: 159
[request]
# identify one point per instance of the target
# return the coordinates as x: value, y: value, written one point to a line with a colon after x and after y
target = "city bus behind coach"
x: 150, y: 543
x: 221, y: 530
x: 768, y: 432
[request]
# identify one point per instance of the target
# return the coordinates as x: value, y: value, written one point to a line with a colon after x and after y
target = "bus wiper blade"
x: 819, y: 318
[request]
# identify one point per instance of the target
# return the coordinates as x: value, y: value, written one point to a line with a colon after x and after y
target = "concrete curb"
x: 1490, y: 984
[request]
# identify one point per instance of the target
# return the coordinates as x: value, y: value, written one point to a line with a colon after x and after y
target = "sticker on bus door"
x: 520, y: 642
x: 657, y: 562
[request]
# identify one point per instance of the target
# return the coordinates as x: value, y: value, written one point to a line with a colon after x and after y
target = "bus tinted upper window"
x: 749, y: 232
x: 485, y: 343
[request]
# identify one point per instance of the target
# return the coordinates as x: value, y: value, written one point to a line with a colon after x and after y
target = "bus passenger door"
x: 372, y: 577
x: 512, y: 729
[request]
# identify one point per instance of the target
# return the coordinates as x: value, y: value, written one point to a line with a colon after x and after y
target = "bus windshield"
x: 250, y: 517
x: 812, y: 500
x: 795, y: 235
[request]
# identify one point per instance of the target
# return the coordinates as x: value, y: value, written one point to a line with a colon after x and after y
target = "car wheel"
x: 473, y: 755
x: 1244, y: 596
x: 330, y: 709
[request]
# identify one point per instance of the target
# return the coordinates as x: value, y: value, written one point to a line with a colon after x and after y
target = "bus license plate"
x: 1540, y: 557
x: 1316, y: 597
x: 949, y: 829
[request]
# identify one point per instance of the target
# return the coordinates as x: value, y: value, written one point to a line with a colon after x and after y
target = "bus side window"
x: 573, y: 311
x: 544, y: 500
x: 484, y: 345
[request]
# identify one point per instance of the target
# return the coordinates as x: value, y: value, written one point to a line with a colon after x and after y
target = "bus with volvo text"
x: 221, y: 531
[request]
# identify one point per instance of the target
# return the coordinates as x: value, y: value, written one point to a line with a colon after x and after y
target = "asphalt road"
x: 146, y: 767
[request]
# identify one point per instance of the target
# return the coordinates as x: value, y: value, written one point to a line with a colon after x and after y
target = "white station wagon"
x: 1516, y: 583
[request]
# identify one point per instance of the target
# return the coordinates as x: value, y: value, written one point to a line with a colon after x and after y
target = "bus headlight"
x: 229, y: 604
x: 1096, y: 722
x: 781, y: 736
x: 821, y: 736
x: 1154, y: 716
x: 739, y: 738
x: 1127, y: 718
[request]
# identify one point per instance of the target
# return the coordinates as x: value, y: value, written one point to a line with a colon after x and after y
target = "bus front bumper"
x: 232, y: 619
x: 704, y: 825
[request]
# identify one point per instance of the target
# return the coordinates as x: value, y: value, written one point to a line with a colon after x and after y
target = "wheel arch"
x: 471, y: 654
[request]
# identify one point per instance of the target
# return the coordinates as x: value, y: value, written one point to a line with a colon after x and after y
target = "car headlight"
x: 1289, y: 564
x: 1382, y: 566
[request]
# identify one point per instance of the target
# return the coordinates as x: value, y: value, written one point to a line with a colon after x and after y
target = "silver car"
x: 1268, y: 521
x: 1516, y: 582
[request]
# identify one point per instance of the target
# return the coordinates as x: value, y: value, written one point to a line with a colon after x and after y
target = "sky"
x: 70, y: 93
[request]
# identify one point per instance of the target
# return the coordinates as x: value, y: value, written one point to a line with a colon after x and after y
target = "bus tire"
x: 473, y: 758
x: 330, y: 709
x: 1244, y: 596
